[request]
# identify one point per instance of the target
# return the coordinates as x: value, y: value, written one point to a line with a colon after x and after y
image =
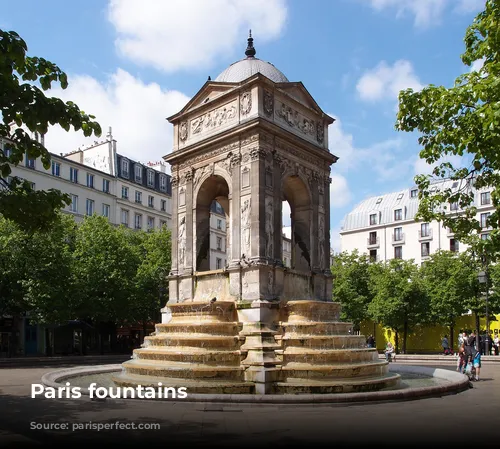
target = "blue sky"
x: 133, y: 63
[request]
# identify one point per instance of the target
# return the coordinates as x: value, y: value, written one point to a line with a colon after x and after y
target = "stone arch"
x: 295, y: 190
x: 211, y: 187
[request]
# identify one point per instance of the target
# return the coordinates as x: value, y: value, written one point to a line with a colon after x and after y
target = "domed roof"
x: 249, y: 66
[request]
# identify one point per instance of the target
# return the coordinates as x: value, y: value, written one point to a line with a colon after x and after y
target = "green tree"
x: 449, y: 279
x: 151, y: 278
x: 25, y: 113
x: 351, y: 285
x: 399, y: 301
x: 463, y: 120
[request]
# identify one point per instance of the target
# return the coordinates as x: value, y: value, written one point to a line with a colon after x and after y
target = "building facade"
x: 384, y: 227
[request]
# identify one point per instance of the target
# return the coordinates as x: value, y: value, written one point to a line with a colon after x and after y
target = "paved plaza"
x: 459, y: 418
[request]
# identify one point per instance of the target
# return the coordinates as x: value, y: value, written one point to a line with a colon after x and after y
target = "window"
x: 399, y: 196
x: 73, y: 207
x: 484, y: 219
x: 219, y: 243
x: 151, y: 178
x: 425, y: 248
x: 105, y: 210
x: 372, y: 239
x: 151, y: 222
x: 124, y: 192
x: 218, y: 263
x: 163, y: 205
x: 454, y: 206
x: 485, y: 198
x: 56, y: 169
x: 138, y: 173
x: 32, y: 185
x: 414, y: 193
x: 425, y: 230
x: 105, y: 185
x: 125, y: 168
x: 73, y: 175
x: 398, y: 234
x: 90, y: 207
x: 398, y: 214
x: 151, y: 201
x: 138, y: 196
x: 124, y: 217
x: 398, y: 252
x: 163, y: 183
x: 485, y: 236
x: 163, y: 223
x: 373, y: 219
x: 90, y: 180
x: 30, y: 162
x: 373, y: 255
x: 454, y: 246
x: 379, y: 200
x: 219, y: 224
x: 138, y: 221
x: 7, y: 152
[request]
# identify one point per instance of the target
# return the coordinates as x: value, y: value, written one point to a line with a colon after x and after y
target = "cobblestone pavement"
x: 469, y: 417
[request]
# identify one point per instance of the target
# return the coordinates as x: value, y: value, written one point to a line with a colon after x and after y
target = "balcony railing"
x: 425, y: 235
x: 372, y: 241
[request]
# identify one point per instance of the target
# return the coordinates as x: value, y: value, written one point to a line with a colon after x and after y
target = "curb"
x: 457, y: 383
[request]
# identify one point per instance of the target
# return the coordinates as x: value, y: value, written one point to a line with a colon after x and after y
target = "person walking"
x: 445, y: 345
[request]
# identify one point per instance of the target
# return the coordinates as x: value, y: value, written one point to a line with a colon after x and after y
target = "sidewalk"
x: 437, y: 358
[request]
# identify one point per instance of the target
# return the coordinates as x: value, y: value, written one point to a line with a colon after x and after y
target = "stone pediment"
x: 299, y: 93
x: 210, y: 91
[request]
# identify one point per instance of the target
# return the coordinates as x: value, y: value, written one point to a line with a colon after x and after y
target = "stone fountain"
x: 250, y: 139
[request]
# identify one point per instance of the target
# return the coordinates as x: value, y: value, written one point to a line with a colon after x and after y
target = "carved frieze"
x: 235, y: 159
x: 183, y: 131
x: 268, y: 103
x: 258, y: 153
x: 296, y: 120
x: 174, y: 181
x: 208, y: 155
x: 246, y: 103
x: 225, y: 164
x: 214, y: 118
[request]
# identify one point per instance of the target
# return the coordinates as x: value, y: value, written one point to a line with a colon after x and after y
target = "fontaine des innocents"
x: 251, y: 139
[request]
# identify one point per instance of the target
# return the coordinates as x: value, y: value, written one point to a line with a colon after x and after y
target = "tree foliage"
x: 351, y: 285
x: 463, y: 120
x: 25, y: 113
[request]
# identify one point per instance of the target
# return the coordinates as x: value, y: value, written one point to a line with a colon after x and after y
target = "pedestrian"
x: 445, y: 345
x: 370, y: 342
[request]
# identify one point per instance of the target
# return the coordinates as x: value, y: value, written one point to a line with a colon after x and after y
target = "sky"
x: 133, y: 63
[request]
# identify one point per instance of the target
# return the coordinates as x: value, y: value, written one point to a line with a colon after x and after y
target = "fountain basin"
x: 427, y: 382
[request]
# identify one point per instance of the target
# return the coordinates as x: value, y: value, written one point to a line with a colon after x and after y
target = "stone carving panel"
x: 296, y: 120
x: 182, y: 240
x: 209, y: 155
x: 320, y: 132
x: 321, y: 240
x: 269, y: 227
x: 246, y: 211
x: 246, y: 103
x: 214, y: 119
x: 268, y: 103
x: 183, y: 131
x: 245, y: 177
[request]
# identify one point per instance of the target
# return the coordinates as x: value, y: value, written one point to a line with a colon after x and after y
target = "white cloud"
x: 335, y: 242
x: 186, y: 34
x: 385, y: 81
x: 285, y: 214
x: 427, y: 13
x: 421, y: 167
x: 477, y: 65
x: 340, y: 194
x: 136, y: 112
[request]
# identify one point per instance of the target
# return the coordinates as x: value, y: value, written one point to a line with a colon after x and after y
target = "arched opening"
x: 286, y: 234
x: 212, y: 220
x: 296, y: 194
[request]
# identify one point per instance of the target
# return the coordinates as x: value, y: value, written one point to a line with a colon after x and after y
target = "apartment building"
x: 384, y: 227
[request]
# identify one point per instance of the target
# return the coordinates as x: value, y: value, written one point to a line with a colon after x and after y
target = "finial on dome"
x: 250, y: 51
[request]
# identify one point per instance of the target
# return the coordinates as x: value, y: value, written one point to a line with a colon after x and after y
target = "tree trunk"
x: 452, y: 337
x: 396, y: 340
x: 405, y: 336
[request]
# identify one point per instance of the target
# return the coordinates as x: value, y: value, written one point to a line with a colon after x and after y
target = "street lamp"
x: 482, y: 277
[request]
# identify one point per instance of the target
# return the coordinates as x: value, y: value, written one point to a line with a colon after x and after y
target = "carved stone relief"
x: 182, y: 240
x: 199, y: 174
x: 296, y: 120
x: 183, y: 131
x: 269, y: 227
x: 246, y: 103
x: 321, y: 242
x: 270, y: 282
x: 269, y: 177
x: 213, y: 119
x: 209, y: 154
x: 320, y: 132
x: 268, y: 103
x: 245, y: 227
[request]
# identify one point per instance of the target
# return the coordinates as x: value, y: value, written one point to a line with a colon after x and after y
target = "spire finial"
x: 250, y: 51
